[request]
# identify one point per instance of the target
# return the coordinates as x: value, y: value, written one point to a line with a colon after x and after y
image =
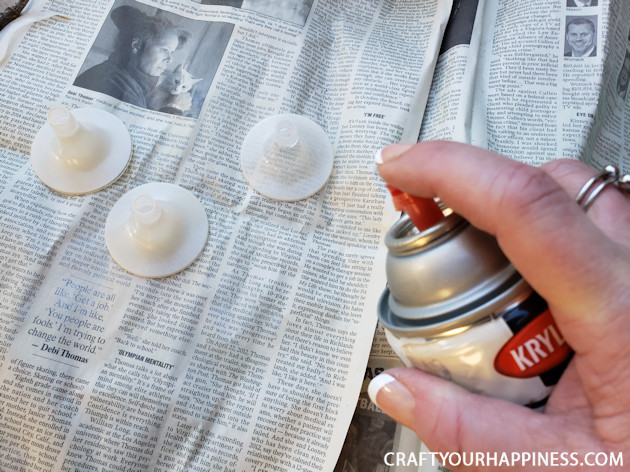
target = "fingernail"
x: 391, y: 152
x: 393, y: 398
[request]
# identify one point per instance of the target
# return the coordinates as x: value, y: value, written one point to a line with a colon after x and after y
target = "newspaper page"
x: 449, y: 106
x: 526, y: 95
x: 253, y: 357
x: 550, y: 81
x: 447, y: 102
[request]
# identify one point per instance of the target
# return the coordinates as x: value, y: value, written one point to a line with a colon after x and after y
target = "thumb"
x: 449, y: 419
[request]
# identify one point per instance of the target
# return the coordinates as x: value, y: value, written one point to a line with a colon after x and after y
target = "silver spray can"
x: 457, y: 308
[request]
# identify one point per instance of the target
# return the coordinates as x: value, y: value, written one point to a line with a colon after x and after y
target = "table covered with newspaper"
x: 254, y: 357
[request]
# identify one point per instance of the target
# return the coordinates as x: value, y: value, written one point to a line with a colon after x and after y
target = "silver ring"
x: 609, y: 175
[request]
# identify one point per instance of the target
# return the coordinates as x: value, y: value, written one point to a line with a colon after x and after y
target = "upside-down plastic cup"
x: 80, y: 151
x: 156, y: 230
x: 287, y: 157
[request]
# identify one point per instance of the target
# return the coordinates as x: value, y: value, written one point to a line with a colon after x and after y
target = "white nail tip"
x: 378, y: 157
x: 377, y: 384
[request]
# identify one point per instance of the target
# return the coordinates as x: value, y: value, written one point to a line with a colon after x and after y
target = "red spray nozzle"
x: 423, y: 212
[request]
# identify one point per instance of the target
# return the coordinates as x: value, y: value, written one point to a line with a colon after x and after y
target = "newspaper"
x: 506, y: 79
x: 515, y: 87
x: 253, y: 357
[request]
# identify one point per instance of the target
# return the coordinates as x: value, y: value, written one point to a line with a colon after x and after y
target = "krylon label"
x: 535, y: 349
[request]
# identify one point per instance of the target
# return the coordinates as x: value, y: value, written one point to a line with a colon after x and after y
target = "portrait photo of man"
x: 580, y: 37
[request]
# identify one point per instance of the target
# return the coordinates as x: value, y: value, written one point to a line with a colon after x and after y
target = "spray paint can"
x: 456, y: 307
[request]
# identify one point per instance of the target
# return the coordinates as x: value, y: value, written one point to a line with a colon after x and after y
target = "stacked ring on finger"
x: 609, y: 175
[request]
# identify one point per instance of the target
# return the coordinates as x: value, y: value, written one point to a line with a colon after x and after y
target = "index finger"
x: 549, y: 239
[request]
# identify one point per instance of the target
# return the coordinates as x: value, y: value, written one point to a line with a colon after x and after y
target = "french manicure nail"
x: 393, y: 398
x: 391, y: 152
x: 378, y: 383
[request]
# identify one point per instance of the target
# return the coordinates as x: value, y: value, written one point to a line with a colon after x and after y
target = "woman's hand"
x: 579, y: 262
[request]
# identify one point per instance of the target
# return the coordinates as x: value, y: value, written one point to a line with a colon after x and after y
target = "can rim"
x: 492, y: 306
x: 403, y: 237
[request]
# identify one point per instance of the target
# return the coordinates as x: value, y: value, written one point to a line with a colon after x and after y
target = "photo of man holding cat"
x: 148, y: 60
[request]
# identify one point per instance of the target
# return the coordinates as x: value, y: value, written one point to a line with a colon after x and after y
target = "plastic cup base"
x: 286, y: 172
x: 63, y: 178
x: 168, y: 245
